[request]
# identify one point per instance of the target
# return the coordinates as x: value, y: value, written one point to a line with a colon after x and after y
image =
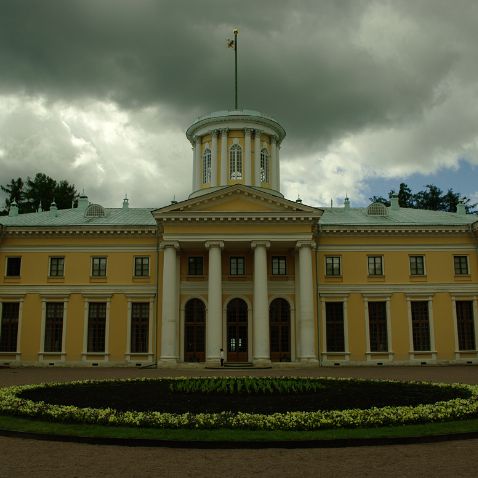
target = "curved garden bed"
x: 243, y: 403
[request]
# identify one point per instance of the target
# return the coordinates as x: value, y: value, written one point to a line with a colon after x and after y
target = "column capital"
x: 301, y: 244
x: 165, y: 244
x: 265, y: 244
x: 274, y: 138
x: 214, y: 132
x: 224, y: 130
x: 258, y: 132
x: 247, y: 130
x: 211, y: 244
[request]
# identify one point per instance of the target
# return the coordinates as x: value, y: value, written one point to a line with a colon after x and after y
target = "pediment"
x: 237, y: 199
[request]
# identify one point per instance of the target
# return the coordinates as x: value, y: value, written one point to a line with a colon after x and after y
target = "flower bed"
x: 462, y: 404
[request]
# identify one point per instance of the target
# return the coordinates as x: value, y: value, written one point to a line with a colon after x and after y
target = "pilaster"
x: 257, y: 157
x: 224, y: 171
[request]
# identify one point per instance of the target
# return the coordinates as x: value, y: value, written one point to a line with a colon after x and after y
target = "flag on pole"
x: 230, y: 43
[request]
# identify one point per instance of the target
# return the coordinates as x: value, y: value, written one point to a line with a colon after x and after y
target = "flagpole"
x: 235, y: 66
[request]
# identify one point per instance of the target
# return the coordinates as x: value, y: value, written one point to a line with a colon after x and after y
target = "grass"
x: 8, y: 423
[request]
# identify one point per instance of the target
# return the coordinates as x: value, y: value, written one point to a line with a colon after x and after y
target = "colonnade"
x: 248, y: 165
x: 260, y: 304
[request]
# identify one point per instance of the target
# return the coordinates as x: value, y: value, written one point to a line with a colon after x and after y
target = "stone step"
x: 238, y: 364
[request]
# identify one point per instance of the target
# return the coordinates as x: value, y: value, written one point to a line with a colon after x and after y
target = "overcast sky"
x: 371, y: 93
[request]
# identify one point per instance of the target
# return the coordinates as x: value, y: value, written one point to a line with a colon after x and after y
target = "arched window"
x: 264, y: 166
x: 235, y: 162
x: 206, y: 166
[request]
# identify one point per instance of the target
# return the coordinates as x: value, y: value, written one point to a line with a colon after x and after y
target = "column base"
x: 213, y: 363
x: 165, y: 362
x: 311, y: 360
x: 261, y: 362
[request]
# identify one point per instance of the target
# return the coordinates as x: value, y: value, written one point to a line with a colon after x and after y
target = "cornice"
x: 409, y: 229
x: 80, y: 231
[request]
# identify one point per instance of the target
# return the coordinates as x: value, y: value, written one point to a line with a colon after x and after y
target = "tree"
x: 38, y: 192
x: 431, y: 198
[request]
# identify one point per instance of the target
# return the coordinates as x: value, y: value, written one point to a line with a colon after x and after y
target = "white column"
x: 214, y: 158
x: 197, y: 163
x: 274, y: 166
x: 214, y: 308
x: 169, y: 316
x: 307, y: 331
x: 257, y: 158
x: 278, y: 166
x: 224, y: 171
x: 193, y: 176
x: 247, y: 165
x: 260, y: 317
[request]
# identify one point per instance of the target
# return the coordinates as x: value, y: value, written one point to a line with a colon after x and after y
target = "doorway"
x: 279, y: 326
x: 237, y: 346
x: 194, y: 331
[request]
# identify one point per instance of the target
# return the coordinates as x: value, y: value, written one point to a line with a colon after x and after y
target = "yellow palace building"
x: 239, y: 267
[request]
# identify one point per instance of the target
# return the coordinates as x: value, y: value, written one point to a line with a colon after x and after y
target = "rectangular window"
x: 13, y: 266
x: 461, y: 265
x: 420, y: 326
x: 375, y: 265
x: 57, y: 266
x: 334, y: 320
x: 332, y: 266
x: 279, y: 265
x: 465, y: 325
x: 98, y: 266
x: 141, y: 266
x: 237, y: 265
x: 377, y: 322
x: 9, y: 326
x: 417, y: 265
x: 96, y: 327
x: 195, y: 265
x: 139, y: 327
x: 53, y: 327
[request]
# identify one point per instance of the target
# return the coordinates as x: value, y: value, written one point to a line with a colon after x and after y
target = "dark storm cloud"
x: 310, y: 64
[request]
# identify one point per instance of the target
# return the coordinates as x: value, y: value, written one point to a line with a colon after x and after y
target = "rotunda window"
x: 206, y: 166
x: 95, y: 210
x: 264, y: 166
x: 377, y: 209
x: 235, y: 162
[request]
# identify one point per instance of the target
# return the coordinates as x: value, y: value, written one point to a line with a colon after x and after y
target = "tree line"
x: 31, y: 195
x: 431, y: 198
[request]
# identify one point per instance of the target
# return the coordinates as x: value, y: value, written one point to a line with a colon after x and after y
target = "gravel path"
x: 32, y: 458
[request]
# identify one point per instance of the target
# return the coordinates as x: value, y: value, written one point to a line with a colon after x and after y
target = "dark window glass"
x: 420, y: 325
x: 465, y: 325
x: 279, y: 265
x: 279, y: 320
x: 195, y: 265
x: 194, y: 331
x: 98, y: 266
x: 13, y: 266
x: 332, y: 265
x: 334, y: 319
x: 461, y: 265
x: 377, y: 321
x: 9, y: 328
x: 139, y: 327
x: 53, y: 327
x: 57, y: 266
x: 141, y: 266
x: 417, y: 265
x: 375, y: 267
x: 237, y: 266
x: 96, y: 327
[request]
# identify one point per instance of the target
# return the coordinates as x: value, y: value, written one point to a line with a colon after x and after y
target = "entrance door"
x: 279, y: 326
x: 237, y: 331
x: 194, y: 331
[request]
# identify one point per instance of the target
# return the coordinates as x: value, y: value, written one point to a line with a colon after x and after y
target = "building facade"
x: 239, y: 267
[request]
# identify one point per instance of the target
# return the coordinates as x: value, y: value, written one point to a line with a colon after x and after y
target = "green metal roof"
x: 404, y: 216
x: 76, y: 217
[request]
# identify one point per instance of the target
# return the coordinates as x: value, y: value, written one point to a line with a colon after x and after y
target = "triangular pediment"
x: 238, y: 199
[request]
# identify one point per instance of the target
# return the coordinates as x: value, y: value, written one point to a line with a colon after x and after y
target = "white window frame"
x: 206, y: 166
x: 410, y: 265
x: 334, y: 356
x: 461, y: 354
x: 42, y: 355
x: 415, y: 354
x: 134, y: 267
x: 19, y: 299
x: 50, y: 276
x: 85, y: 355
x: 368, y: 353
x: 340, y: 265
x: 106, y: 267
x: 265, y: 166
x: 133, y: 357
x: 235, y: 162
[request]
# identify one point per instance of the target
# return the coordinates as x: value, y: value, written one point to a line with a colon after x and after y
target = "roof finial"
x: 174, y: 200
x: 125, y: 202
